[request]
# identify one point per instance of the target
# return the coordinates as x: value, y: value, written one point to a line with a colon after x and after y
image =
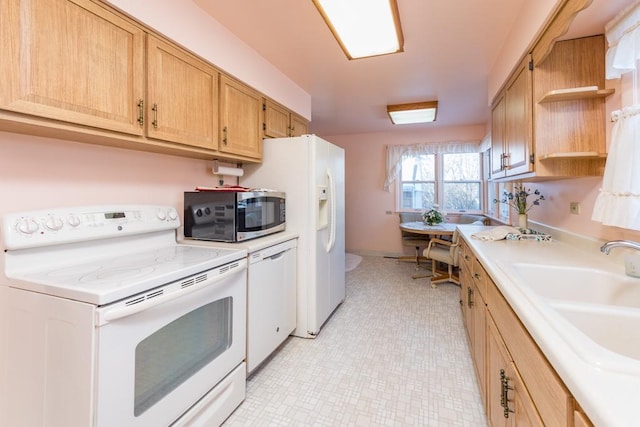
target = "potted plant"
x: 518, y: 200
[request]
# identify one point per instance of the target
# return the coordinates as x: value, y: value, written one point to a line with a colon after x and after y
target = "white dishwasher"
x: 271, y: 300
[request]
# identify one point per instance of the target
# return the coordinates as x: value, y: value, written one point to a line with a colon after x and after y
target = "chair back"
x: 473, y: 219
x: 454, y: 250
x: 410, y: 217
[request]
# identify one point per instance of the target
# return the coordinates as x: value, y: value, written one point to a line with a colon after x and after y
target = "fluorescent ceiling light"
x: 363, y: 27
x: 420, y: 112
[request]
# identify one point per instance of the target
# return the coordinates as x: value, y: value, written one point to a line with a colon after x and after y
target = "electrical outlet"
x: 574, y: 208
x: 389, y: 212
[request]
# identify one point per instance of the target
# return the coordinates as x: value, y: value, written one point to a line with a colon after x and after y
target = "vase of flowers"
x: 433, y: 216
x: 518, y: 200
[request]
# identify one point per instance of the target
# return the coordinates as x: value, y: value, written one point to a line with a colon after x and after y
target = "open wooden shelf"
x: 576, y: 155
x: 575, y: 93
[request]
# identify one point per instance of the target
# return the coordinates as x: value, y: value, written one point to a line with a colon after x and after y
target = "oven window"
x: 171, y: 355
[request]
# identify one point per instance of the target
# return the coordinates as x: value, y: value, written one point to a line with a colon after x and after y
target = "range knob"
x: 161, y: 214
x: 54, y: 223
x: 27, y: 226
x: 198, y: 212
x: 73, y: 220
x: 173, y: 214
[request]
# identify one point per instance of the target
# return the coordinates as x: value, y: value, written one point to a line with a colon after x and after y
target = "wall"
x: 369, y: 228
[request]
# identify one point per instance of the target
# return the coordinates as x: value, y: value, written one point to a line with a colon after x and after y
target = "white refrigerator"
x: 310, y: 171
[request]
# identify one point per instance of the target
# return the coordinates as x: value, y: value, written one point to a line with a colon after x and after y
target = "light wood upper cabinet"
x: 182, y: 101
x: 72, y: 61
x: 280, y: 122
x: 512, y: 124
x: 549, y: 119
x: 240, y: 119
x: 569, y: 109
x: 299, y: 125
x: 276, y: 120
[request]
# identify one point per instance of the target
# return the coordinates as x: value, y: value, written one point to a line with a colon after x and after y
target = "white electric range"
x: 106, y: 310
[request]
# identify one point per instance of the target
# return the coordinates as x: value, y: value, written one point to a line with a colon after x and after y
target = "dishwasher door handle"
x: 278, y: 255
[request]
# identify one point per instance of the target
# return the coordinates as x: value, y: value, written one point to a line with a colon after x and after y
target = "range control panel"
x: 67, y: 225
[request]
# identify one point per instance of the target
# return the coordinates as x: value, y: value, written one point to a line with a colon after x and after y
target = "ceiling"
x: 449, y: 49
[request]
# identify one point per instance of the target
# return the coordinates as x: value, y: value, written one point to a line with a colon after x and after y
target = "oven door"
x: 157, y: 358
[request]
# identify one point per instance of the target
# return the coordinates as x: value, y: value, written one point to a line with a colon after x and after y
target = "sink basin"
x: 578, y: 284
x: 613, y: 335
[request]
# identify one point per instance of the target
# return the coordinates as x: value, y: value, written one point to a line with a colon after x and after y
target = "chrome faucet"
x: 619, y: 244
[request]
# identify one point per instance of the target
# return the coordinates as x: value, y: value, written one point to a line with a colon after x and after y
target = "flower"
x: 518, y: 198
x: 432, y: 216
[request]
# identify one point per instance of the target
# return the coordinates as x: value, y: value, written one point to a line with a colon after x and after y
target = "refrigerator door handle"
x: 332, y: 212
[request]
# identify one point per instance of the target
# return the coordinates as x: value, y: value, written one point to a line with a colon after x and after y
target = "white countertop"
x: 250, y: 246
x: 609, y: 398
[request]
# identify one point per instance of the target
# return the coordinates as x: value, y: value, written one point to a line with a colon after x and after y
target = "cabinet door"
x: 73, y: 61
x: 479, y: 312
x: 276, y: 120
x: 182, y: 96
x: 518, y: 119
x: 498, y: 143
x: 240, y: 119
x: 499, y: 397
x: 299, y: 126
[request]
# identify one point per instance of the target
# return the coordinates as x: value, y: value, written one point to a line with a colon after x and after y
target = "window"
x: 418, y: 182
x: 451, y: 181
x: 462, y: 181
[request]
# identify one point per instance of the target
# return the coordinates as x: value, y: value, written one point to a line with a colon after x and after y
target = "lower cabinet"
x: 519, y: 387
x: 508, y: 401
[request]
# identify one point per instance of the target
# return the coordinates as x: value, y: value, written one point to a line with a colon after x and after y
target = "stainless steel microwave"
x: 233, y: 216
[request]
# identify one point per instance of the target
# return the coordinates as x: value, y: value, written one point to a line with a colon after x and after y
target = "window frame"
x: 439, y: 186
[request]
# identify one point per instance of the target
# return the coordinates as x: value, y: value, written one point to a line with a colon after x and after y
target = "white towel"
x: 495, y: 233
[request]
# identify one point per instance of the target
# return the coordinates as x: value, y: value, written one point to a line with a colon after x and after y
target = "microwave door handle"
x: 332, y: 211
x: 109, y: 315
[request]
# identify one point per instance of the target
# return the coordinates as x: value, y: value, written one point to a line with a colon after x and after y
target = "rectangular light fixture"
x: 419, y: 112
x: 363, y: 28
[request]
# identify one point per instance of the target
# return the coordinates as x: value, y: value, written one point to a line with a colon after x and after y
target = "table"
x: 419, y: 227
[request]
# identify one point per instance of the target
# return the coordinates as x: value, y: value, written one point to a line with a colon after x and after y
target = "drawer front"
x: 552, y: 399
x: 480, y: 277
x: 466, y: 256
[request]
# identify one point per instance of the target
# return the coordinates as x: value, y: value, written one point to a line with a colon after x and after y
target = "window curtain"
x: 395, y: 153
x: 618, y: 203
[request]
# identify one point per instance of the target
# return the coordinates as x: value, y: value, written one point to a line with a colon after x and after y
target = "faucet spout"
x: 606, y: 248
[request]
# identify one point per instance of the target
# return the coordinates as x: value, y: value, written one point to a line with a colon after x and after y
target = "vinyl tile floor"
x: 393, y: 354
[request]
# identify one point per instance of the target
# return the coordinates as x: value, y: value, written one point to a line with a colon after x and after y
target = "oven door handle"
x: 109, y: 315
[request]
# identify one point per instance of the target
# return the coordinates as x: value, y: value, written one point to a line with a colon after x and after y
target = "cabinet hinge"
x: 531, y: 65
x: 264, y: 126
x: 532, y: 158
x: 264, y: 107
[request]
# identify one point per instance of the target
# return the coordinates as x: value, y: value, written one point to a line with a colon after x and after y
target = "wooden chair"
x: 446, y: 252
x: 416, y: 241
